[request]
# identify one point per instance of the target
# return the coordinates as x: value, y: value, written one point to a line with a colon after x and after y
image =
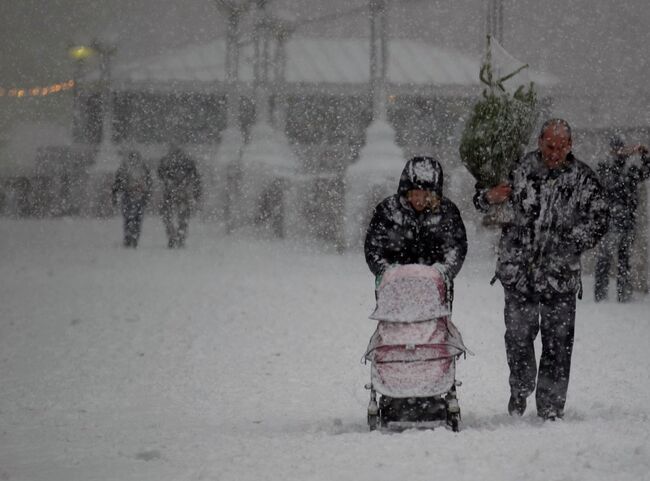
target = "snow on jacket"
x: 133, y: 182
x: 180, y: 176
x: 556, y: 214
x: 621, y: 182
x: 398, y: 234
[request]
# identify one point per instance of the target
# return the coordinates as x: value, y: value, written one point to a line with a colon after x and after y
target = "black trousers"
x: 525, y: 315
x: 176, y: 216
x: 132, y: 212
x: 619, y: 244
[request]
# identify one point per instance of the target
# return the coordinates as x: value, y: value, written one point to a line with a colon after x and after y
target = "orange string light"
x: 17, y: 92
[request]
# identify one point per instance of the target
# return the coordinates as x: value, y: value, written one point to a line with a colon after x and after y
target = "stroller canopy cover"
x: 411, y: 293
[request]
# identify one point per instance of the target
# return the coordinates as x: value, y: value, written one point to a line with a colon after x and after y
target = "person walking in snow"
x: 620, y: 182
x: 557, y: 211
x: 417, y: 225
x: 181, y: 190
x: 132, y: 186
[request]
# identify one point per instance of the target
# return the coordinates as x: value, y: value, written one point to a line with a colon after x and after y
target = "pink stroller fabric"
x: 412, y: 356
x: 411, y: 293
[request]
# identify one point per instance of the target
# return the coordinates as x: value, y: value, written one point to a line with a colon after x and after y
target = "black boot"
x: 551, y: 414
x: 517, y: 405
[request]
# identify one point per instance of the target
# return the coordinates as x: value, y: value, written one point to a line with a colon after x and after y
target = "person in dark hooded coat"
x: 557, y: 211
x: 417, y: 225
x: 621, y: 182
x: 133, y: 187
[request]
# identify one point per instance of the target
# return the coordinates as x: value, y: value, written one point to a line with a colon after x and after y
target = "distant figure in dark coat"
x: 558, y: 210
x: 620, y: 182
x: 181, y: 190
x: 133, y: 186
x: 417, y: 225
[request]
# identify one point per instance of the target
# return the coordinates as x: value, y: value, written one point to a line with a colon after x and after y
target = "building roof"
x: 315, y: 61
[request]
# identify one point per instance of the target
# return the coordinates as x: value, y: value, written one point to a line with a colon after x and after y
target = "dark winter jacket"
x: 180, y: 176
x: 397, y: 234
x: 621, y: 182
x: 133, y: 182
x: 555, y: 215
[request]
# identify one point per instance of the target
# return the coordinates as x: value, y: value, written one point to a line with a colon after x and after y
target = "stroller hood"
x: 411, y: 293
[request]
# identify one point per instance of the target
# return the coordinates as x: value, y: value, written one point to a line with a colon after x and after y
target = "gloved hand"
x: 447, y: 280
x: 380, y: 276
x: 442, y: 269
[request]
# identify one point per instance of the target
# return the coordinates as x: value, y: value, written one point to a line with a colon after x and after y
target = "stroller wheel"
x: 373, y: 410
x: 454, y: 422
x: 453, y: 410
x: 373, y: 422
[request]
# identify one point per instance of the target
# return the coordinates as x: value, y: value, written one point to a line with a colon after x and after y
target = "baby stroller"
x: 413, y: 352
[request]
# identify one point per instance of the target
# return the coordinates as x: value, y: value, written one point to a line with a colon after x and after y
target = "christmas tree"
x: 499, y: 128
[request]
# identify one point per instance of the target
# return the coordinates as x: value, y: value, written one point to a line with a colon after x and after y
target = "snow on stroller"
x: 413, y: 352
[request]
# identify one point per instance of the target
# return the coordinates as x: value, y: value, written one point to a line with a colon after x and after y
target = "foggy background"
x: 597, y: 48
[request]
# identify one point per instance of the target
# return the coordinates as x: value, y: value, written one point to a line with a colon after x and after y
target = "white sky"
x: 598, y: 42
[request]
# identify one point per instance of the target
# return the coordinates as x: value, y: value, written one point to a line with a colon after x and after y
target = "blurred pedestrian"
x: 620, y: 181
x: 181, y: 191
x: 132, y: 187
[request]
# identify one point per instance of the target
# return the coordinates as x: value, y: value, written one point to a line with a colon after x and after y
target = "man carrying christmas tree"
x: 557, y: 211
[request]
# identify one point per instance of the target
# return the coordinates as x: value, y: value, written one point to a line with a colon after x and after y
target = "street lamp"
x: 107, y: 159
x: 232, y: 140
x: 268, y: 162
x: 494, y: 19
x: 81, y: 52
x: 378, y: 56
x: 376, y: 171
x: 106, y: 156
x: 78, y: 53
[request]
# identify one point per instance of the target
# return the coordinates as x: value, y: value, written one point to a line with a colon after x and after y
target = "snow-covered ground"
x: 237, y: 358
